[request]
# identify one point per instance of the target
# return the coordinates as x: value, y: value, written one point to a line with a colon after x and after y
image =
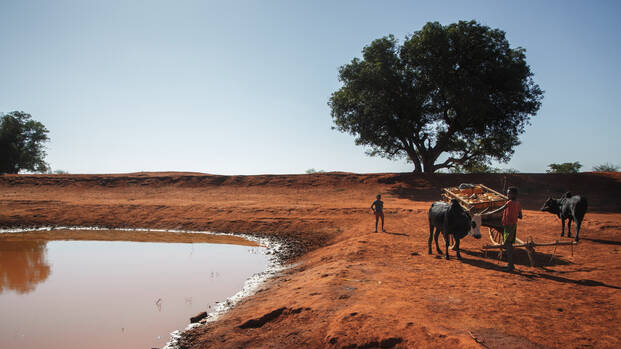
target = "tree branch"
x: 451, y: 161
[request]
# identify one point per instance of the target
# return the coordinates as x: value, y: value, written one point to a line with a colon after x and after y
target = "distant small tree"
x: 606, y: 167
x: 508, y: 170
x: 480, y: 167
x: 475, y: 167
x: 566, y: 167
x: 22, y: 143
x: 312, y: 170
x: 60, y: 172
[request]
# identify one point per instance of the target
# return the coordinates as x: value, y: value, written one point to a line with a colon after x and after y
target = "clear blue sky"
x: 240, y: 87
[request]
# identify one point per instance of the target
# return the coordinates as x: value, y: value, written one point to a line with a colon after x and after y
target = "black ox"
x: 451, y: 219
x: 571, y: 207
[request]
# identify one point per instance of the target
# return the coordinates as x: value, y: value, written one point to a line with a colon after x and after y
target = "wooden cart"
x: 480, y: 199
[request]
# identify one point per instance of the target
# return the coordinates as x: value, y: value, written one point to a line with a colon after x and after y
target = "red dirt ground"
x: 351, y: 288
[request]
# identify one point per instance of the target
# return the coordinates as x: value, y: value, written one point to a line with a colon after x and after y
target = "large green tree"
x: 448, y: 97
x: 22, y: 143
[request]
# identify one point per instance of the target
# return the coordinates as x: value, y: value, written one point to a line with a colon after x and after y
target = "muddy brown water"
x: 114, y: 294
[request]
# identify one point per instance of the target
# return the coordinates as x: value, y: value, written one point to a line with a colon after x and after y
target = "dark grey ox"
x: 451, y: 219
x: 571, y: 207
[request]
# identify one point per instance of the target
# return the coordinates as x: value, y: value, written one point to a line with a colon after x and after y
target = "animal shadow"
x: 481, y: 263
x: 582, y: 282
x: 520, y: 257
x: 600, y: 241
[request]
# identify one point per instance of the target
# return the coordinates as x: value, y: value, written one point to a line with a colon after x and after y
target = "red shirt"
x: 510, y: 215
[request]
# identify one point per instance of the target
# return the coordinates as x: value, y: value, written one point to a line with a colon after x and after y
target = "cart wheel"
x: 451, y: 241
x: 496, y: 236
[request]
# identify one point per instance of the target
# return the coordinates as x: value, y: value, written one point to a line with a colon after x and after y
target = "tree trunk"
x: 429, y: 164
x: 417, y: 167
x: 414, y: 158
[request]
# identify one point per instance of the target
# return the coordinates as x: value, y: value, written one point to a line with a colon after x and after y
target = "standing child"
x: 512, y: 212
x: 378, y: 208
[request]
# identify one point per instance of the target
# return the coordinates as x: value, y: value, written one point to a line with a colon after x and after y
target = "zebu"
x: 451, y: 219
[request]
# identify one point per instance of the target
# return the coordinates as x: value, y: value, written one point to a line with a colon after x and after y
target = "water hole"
x: 77, y: 289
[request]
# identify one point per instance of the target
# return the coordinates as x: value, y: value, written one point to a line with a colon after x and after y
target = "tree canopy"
x: 22, y: 143
x: 449, y: 96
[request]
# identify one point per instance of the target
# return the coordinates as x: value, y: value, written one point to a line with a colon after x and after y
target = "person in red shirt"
x: 512, y: 211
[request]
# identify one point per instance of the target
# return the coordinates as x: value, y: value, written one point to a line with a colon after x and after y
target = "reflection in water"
x: 23, y: 265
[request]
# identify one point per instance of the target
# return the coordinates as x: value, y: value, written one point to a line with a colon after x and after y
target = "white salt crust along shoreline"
x: 251, y: 285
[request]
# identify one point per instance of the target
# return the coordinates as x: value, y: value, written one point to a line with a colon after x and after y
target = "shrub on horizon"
x: 606, y: 167
x: 507, y: 170
x: 566, y: 167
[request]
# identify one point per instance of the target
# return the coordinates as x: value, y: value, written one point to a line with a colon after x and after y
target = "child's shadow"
x: 400, y: 234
